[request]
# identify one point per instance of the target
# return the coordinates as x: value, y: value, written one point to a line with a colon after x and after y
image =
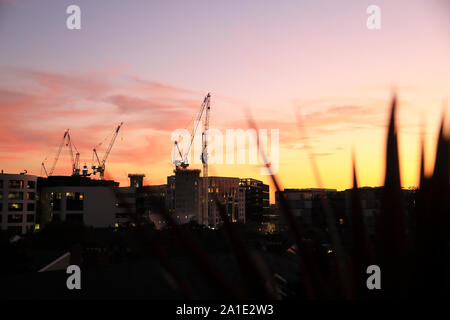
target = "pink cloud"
x: 38, y: 106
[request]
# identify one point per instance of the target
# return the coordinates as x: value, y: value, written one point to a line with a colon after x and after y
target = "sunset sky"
x: 149, y: 64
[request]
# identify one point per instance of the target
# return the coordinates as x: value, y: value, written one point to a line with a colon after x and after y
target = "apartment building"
x: 256, y: 199
x: 185, y: 197
x: 18, y: 195
x: 230, y: 195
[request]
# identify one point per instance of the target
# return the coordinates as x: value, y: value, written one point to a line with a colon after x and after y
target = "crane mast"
x: 205, y: 158
x: 204, y: 136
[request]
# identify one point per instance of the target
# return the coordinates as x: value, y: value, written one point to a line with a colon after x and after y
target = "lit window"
x: 74, y: 201
x: 15, y: 206
x: 15, y: 195
x: 15, y: 184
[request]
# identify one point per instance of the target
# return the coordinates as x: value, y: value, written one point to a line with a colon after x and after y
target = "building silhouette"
x: 185, y: 201
x: 256, y: 199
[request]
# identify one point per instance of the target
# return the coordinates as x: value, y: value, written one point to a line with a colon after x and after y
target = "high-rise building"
x: 230, y: 195
x: 183, y: 194
x: 18, y: 194
x: 256, y: 199
x: 185, y: 198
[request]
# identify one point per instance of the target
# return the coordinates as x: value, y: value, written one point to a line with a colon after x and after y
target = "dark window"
x: 74, y: 217
x: 74, y: 201
x: 30, y: 206
x: 15, y: 206
x: 55, y: 201
x: 15, y: 229
x: 15, y: 195
x: 1, y: 195
x: 31, y: 185
x: 31, y: 196
x: 30, y: 217
x: 15, y: 218
x: 1, y: 184
x: 15, y: 184
x: 1, y: 218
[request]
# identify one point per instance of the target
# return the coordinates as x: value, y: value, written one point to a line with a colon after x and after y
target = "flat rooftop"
x: 75, y: 181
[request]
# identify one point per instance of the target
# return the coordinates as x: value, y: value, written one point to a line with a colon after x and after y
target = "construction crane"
x: 66, y: 140
x: 183, y: 162
x: 52, y: 169
x: 100, y: 167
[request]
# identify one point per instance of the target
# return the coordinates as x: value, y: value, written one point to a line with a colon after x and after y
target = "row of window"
x: 30, y: 218
x: 18, y: 218
x: 74, y: 201
x: 18, y: 195
x: 19, y: 184
x: 18, y: 207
